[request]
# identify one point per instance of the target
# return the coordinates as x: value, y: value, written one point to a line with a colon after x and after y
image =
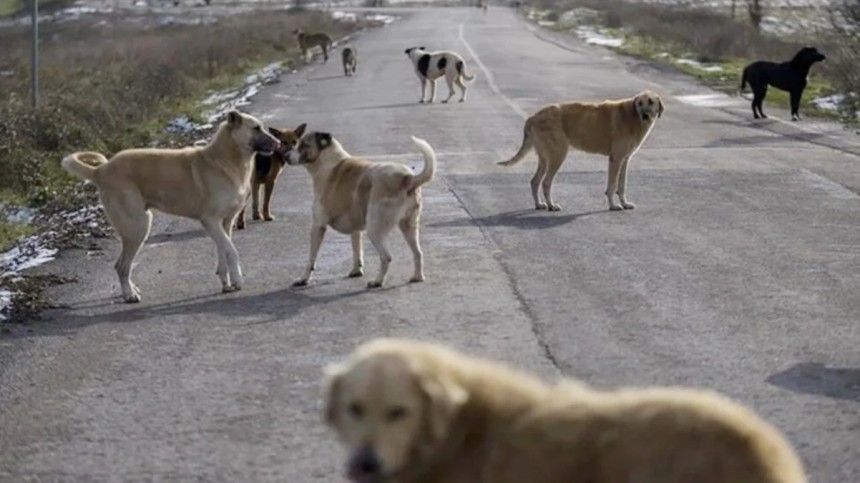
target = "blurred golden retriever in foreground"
x: 413, y: 412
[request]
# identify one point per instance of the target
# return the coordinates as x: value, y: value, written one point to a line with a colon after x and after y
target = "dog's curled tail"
x: 84, y: 164
x: 461, y: 69
x: 426, y: 175
x: 527, y: 145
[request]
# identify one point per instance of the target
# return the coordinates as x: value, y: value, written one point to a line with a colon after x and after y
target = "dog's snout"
x: 365, y: 463
x: 646, y: 117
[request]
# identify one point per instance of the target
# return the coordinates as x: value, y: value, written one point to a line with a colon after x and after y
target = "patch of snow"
x: 5, y: 302
x: 384, y: 19
x: 546, y: 23
x: 829, y: 103
x: 698, y: 65
x: 709, y: 100
x: 595, y: 37
x: 348, y: 17
x: 7, y: 73
x: 581, y: 14
x: 183, y: 124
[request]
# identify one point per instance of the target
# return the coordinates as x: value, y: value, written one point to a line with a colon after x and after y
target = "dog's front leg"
x: 622, y: 185
x: 795, y: 104
x: 269, y: 188
x: 317, y: 234
x: 357, y: 255
x: 423, y: 90
x: 612, y: 175
x: 432, y: 91
x: 255, y: 194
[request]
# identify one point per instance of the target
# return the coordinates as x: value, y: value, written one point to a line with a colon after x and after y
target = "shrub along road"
x: 737, y: 271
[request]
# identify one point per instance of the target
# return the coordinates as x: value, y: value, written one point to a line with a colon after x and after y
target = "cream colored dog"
x: 613, y: 128
x: 415, y: 412
x: 209, y: 184
x: 352, y: 195
x: 430, y: 66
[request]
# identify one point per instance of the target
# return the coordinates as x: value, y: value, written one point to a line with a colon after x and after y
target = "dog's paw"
x: 256, y: 216
x: 616, y: 208
x: 131, y: 299
x: 462, y: 100
x: 540, y: 206
x: 374, y: 284
x: 356, y: 272
x: 231, y: 288
x: 795, y: 118
x: 240, y: 226
x: 421, y: 101
x: 268, y: 218
x: 301, y: 283
x: 554, y: 207
x: 628, y: 205
x: 416, y: 279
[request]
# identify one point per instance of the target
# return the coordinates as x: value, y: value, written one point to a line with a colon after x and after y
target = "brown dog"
x: 266, y: 171
x: 613, y: 128
x: 208, y: 184
x: 416, y: 412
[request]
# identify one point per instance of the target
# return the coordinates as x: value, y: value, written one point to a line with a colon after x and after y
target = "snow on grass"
x: 596, y: 37
x: 698, y: 65
x: 829, y: 103
x: 36, y: 250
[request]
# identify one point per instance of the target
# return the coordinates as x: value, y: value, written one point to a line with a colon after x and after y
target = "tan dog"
x: 267, y: 169
x: 613, y: 128
x: 352, y: 195
x: 415, y: 412
x: 308, y: 41
x: 208, y: 183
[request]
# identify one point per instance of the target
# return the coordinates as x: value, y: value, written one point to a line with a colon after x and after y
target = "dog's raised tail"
x: 526, y: 146
x: 84, y: 164
x: 426, y: 175
x: 461, y: 69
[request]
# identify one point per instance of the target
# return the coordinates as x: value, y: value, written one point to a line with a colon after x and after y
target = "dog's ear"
x: 444, y: 398
x: 660, y: 107
x: 422, y: 48
x: 323, y: 139
x: 332, y: 381
x: 234, y: 118
x: 276, y: 132
x: 300, y: 131
x: 410, y: 49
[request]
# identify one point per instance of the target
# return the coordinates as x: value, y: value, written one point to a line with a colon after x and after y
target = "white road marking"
x: 490, y: 79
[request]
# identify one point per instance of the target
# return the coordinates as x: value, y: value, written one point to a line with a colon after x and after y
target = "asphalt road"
x: 738, y: 271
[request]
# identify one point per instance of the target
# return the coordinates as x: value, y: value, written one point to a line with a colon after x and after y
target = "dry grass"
x: 110, y: 86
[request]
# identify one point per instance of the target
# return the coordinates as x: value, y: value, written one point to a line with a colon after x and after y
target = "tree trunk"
x: 756, y: 11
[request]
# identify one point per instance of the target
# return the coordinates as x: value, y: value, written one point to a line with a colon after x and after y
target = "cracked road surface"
x: 738, y: 271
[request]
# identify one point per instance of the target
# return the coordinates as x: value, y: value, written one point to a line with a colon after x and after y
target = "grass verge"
x: 718, y: 45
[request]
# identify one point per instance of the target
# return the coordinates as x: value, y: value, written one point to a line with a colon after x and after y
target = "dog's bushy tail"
x: 461, y: 69
x: 528, y: 144
x: 84, y: 164
x: 743, y: 82
x: 426, y: 175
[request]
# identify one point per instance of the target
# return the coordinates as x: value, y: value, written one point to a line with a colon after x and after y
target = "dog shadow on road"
x: 271, y: 306
x: 521, y: 219
x: 818, y: 379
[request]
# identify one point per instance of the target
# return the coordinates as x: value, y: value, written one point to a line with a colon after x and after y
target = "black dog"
x: 788, y: 76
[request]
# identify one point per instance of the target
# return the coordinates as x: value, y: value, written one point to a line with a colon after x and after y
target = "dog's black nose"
x: 365, y: 462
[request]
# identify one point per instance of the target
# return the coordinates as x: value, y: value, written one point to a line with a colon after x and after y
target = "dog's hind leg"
x: 229, y: 272
x: 378, y: 226
x: 317, y: 235
x: 622, y: 184
x: 449, y: 79
x: 357, y: 255
x: 255, y: 205
x: 540, y: 172
x: 462, y: 85
x: 553, y: 152
x: 132, y: 224
x: 612, y: 175
x: 409, y: 228
x: 759, y: 93
x: 269, y: 190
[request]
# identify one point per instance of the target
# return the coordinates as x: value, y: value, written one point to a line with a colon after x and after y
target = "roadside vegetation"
x: 714, y: 44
